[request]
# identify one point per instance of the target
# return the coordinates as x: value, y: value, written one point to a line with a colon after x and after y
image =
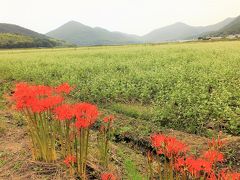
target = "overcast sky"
x: 129, y: 16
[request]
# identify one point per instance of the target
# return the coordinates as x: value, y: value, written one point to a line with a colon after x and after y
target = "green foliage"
x: 190, y: 86
x: 130, y: 167
x: 132, y: 172
x: 8, y: 40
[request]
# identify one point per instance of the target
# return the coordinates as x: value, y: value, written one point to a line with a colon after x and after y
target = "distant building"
x: 231, y: 36
x: 204, y: 38
x: 237, y: 35
x: 216, y: 38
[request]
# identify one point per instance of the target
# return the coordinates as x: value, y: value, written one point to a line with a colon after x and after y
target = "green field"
x: 184, y: 86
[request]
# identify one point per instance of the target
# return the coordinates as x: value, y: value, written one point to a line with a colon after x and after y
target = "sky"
x: 128, y: 16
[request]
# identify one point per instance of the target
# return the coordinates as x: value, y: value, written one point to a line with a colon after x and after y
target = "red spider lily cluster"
x: 38, y: 98
x: 37, y: 102
x: 85, y: 114
x: 169, y: 146
x: 187, y: 166
x: 53, y: 122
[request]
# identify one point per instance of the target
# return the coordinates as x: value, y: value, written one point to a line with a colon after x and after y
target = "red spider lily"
x: 82, y: 123
x: 174, y: 147
x: 23, y: 89
x: 23, y: 93
x: 169, y: 146
x: 212, y: 176
x: 40, y: 105
x: 225, y: 174
x: 180, y: 164
x: 109, y: 118
x: 70, y: 159
x: 157, y: 140
x: 42, y: 90
x: 196, y: 166
x: 216, y: 143
x: 37, y: 98
x: 213, y: 156
x: 63, y: 88
x: 86, y: 114
x: 108, y: 176
x: 64, y: 112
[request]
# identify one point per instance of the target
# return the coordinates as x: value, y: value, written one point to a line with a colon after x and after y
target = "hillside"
x: 15, y: 29
x: 13, y: 36
x: 181, y: 31
x: 230, y: 29
x: 177, y: 31
x: 81, y: 34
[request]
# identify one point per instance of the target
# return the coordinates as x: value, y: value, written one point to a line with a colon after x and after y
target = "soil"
x: 16, y: 161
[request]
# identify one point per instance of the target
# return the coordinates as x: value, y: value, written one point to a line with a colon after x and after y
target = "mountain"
x: 181, y: 31
x: 177, y: 31
x: 81, y: 34
x: 230, y: 29
x: 219, y: 25
x: 14, y: 36
x: 15, y: 29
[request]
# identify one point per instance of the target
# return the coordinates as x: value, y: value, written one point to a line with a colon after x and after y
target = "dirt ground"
x: 16, y: 161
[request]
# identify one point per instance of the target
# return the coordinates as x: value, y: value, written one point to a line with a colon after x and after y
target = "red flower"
x: 107, y: 176
x: 109, y: 118
x: 169, y: 146
x: 42, y: 90
x: 69, y: 160
x: 157, y: 140
x: 63, y: 88
x: 227, y: 175
x: 234, y: 176
x: 180, y: 164
x: 216, y: 143
x: 213, y: 156
x: 52, y: 101
x: 23, y: 93
x: 86, y: 114
x: 35, y: 98
x: 212, y: 176
x: 39, y: 105
x: 174, y: 147
x: 196, y: 166
x: 64, y: 112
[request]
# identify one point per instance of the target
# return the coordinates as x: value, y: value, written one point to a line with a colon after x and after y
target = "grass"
x: 134, y: 110
x: 131, y: 169
x: 3, y: 159
x: 185, y: 86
